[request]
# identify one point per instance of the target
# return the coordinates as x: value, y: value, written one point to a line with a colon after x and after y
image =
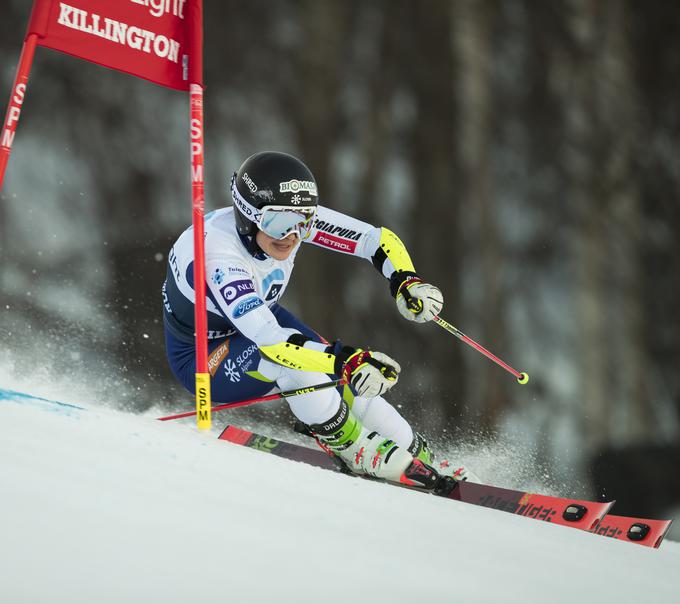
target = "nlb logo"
x: 236, y: 289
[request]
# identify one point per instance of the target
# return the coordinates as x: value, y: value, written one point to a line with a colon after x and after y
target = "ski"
x: 585, y: 515
x: 576, y: 513
x: 280, y: 448
x: 642, y: 531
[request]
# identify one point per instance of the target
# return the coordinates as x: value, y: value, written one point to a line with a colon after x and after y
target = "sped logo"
x: 236, y: 289
x: 245, y: 306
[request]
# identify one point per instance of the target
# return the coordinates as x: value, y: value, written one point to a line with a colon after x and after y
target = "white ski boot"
x: 421, y: 450
x: 362, y: 451
x: 456, y: 471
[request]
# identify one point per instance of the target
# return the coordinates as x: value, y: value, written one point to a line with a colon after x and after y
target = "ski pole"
x: 522, y: 377
x: 262, y: 399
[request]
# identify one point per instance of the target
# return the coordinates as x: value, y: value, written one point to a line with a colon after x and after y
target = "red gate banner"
x: 160, y: 41
x: 150, y: 39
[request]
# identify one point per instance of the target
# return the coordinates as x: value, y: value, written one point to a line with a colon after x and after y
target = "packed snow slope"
x: 109, y: 507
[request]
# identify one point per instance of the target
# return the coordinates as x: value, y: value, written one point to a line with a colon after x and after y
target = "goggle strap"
x: 255, y: 215
x: 249, y: 210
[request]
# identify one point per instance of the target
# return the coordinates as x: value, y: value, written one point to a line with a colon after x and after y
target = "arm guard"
x: 392, y: 249
x: 293, y: 354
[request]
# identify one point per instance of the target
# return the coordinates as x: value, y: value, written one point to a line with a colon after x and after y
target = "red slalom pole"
x: 16, y: 100
x: 261, y: 399
x: 203, y: 395
x: 522, y: 377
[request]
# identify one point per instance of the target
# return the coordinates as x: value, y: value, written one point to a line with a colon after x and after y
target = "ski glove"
x: 371, y: 373
x: 416, y: 300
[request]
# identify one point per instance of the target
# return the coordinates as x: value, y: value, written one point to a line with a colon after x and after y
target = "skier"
x: 255, y: 343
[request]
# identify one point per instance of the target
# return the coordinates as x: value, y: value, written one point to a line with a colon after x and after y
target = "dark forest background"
x: 526, y: 152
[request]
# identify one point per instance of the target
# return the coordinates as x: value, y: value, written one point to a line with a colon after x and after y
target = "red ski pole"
x: 522, y: 377
x: 262, y: 399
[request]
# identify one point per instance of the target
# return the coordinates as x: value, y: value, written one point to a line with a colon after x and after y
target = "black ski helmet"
x: 271, y: 178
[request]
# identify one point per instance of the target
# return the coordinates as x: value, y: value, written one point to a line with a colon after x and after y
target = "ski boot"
x: 363, y: 452
x: 421, y: 450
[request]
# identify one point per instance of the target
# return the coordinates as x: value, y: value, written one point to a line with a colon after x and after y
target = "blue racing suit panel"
x: 230, y: 358
x: 178, y: 316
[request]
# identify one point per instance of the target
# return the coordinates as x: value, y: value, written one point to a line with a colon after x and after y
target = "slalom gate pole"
x: 203, y: 398
x: 16, y: 100
x: 195, y: 72
x: 262, y: 399
x: 522, y: 377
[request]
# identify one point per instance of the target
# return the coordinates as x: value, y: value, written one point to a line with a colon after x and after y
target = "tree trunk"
x: 472, y: 24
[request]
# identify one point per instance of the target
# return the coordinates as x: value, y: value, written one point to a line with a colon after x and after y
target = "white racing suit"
x: 243, y: 293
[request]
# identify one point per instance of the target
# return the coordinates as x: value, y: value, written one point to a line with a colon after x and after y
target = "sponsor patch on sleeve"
x: 218, y: 276
x: 335, y: 243
x: 217, y: 356
x: 245, y: 306
x: 236, y: 289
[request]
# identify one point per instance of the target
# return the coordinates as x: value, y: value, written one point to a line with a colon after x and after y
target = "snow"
x: 105, y: 506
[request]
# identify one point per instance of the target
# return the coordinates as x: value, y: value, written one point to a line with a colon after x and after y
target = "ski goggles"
x: 278, y: 222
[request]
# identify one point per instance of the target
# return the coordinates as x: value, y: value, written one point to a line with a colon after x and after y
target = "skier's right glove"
x: 371, y: 373
x: 416, y: 300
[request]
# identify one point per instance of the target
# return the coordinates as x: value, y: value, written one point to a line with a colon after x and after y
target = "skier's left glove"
x: 371, y: 373
x: 416, y: 300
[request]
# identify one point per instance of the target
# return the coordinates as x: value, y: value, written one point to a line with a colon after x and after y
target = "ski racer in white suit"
x: 254, y: 342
